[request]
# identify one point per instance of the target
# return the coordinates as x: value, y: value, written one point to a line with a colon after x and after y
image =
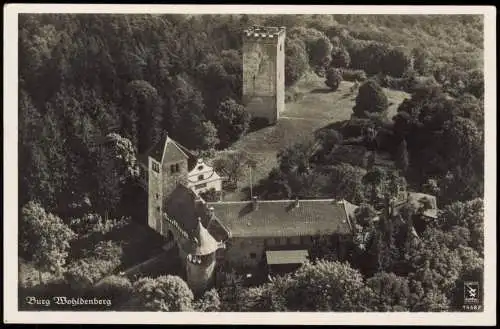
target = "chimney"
x: 255, y: 203
x: 296, y: 203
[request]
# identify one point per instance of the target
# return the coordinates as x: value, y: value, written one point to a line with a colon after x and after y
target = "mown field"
x: 314, y: 108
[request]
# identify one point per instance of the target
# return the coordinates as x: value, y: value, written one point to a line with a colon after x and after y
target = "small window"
x: 176, y: 167
x: 157, y: 196
x: 200, y: 177
x: 253, y: 255
x: 172, y: 168
x: 158, y: 209
x: 281, y: 47
x: 200, y: 167
x: 156, y: 167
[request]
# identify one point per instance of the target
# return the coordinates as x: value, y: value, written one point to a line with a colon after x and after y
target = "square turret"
x: 264, y: 71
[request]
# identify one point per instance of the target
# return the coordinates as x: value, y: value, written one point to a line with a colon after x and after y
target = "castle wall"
x: 200, y: 277
x: 250, y: 252
x: 264, y: 74
x: 280, y: 79
x: 172, y: 177
x: 261, y: 107
x: 155, y: 197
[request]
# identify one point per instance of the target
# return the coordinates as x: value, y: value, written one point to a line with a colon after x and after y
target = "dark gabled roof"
x: 182, y: 206
x: 282, y: 218
x: 166, y: 148
x: 185, y: 207
x: 218, y: 231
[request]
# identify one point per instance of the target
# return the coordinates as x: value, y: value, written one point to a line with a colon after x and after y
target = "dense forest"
x: 96, y: 91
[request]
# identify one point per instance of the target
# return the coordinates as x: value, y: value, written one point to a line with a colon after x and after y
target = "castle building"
x: 277, y: 235
x: 241, y: 235
x: 264, y: 72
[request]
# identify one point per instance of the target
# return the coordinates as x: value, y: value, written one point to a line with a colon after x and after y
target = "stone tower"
x: 264, y: 72
x: 200, y: 259
x: 167, y: 166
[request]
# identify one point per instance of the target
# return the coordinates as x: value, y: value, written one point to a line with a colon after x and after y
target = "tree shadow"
x: 321, y: 91
x: 245, y: 210
x: 258, y: 124
x: 332, y: 126
x: 348, y: 95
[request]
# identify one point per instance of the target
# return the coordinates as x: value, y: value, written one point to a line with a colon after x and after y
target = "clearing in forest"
x: 315, y: 107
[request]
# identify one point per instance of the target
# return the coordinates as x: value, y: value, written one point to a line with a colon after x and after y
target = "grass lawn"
x: 317, y: 107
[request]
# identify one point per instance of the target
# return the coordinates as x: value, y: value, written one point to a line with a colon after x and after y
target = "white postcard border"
x: 11, y: 313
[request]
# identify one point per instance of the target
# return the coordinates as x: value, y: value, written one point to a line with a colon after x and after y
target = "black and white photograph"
x: 242, y: 161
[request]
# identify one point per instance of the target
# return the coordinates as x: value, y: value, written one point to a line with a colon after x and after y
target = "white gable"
x: 202, y: 168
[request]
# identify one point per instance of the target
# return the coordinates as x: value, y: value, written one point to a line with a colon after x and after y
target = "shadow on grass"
x: 332, y: 126
x: 258, y: 124
x: 321, y: 91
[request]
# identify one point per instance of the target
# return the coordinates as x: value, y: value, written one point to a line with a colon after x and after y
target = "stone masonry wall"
x: 155, y: 197
x: 263, y: 74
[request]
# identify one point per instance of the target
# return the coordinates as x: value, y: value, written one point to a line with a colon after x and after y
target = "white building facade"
x: 203, y: 177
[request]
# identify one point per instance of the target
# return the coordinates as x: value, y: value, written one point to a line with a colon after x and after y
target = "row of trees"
x: 83, y: 77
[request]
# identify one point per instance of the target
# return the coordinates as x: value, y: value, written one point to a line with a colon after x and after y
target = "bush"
x: 86, y: 272
x: 164, y: 293
x: 333, y: 78
x: 211, y: 195
x: 340, y: 57
x: 117, y: 288
x: 396, y: 62
x: 371, y: 99
x: 353, y: 75
x: 296, y: 61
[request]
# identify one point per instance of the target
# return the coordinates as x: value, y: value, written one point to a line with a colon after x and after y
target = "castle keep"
x: 264, y: 72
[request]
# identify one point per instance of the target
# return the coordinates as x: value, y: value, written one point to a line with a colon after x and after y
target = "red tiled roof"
x: 282, y: 218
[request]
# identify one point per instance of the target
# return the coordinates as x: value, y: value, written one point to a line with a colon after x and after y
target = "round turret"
x: 200, y: 259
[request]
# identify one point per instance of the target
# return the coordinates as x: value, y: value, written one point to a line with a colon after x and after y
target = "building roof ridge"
x: 276, y: 201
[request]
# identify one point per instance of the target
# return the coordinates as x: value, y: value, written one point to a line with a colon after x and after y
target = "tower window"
x: 174, y: 168
x: 156, y: 167
x: 281, y: 47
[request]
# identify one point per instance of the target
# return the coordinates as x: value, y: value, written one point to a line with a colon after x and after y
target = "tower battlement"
x: 264, y: 71
x: 264, y: 32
